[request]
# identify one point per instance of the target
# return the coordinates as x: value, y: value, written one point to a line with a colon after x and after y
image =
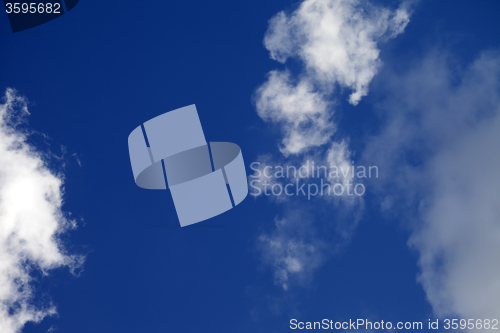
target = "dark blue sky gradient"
x: 98, y: 72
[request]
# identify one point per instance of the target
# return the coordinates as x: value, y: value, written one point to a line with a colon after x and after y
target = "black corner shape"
x: 26, y: 14
x: 70, y: 4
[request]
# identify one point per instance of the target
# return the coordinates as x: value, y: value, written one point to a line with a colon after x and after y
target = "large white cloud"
x: 441, y: 156
x: 336, y: 41
x: 336, y: 45
x: 31, y: 219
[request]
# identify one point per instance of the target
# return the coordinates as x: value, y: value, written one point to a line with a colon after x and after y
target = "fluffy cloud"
x: 301, y: 111
x: 31, y: 219
x: 441, y: 143
x: 336, y: 41
x: 336, y: 44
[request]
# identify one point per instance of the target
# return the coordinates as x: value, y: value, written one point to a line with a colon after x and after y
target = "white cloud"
x: 31, y: 219
x: 459, y: 241
x: 339, y: 155
x: 336, y: 43
x: 336, y: 40
x: 302, y: 112
x: 441, y: 145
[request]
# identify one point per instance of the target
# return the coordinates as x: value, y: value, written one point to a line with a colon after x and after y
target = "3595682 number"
x: 471, y: 324
x: 33, y: 8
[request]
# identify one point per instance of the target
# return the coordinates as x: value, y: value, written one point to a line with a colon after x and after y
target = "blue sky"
x: 421, y: 244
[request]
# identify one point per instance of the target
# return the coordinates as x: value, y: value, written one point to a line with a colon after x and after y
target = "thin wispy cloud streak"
x: 31, y: 219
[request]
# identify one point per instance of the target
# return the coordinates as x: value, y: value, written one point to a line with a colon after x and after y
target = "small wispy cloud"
x: 31, y: 219
x: 292, y: 249
x: 77, y: 158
